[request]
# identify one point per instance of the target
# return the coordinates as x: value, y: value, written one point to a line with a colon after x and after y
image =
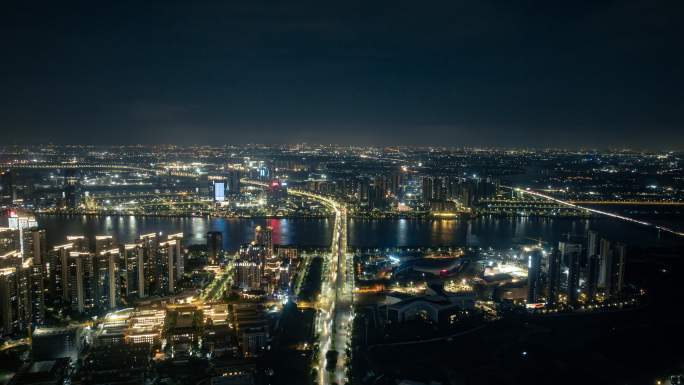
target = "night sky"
x: 510, y: 73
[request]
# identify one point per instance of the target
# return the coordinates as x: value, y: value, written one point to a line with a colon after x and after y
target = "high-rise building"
x: 151, y: 266
x: 615, y: 269
x: 363, y: 187
x: 395, y: 185
x: 284, y: 276
x: 22, y: 248
x: 62, y: 267
x: 179, y: 267
x: 554, y: 277
x: 20, y: 227
x: 214, y: 246
x: 571, y: 254
x: 622, y: 264
x: 59, y: 279
x: 534, y: 280
x: 605, y: 252
x: 24, y: 293
x: 452, y: 187
x: 103, y: 242
x: 20, y: 275
x: 133, y: 272
x: 40, y: 251
x: 249, y: 267
x: 233, y: 187
x: 593, y: 243
x: 170, y: 262
x: 8, y: 187
x: 9, y: 240
x: 33, y: 277
x: 593, y: 264
x: 433, y: 189
x: 263, y: 236
x: 79, y: 242
x: 106, y: 262
x: 149, y: 243
x: 428, y: 187
x: 82, y: 281
x: 15, y: 292
x: 9, y: 301
x: 107, y: 292
x: 72, y: 188
x: 32, y: 244
x: 382, y: 182
x: 466, y: 194
x: 377, y: 192
x: 593, y: 267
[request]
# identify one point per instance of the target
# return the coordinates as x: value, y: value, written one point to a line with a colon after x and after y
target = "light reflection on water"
x: 366, y: 233
x: 236, y: 231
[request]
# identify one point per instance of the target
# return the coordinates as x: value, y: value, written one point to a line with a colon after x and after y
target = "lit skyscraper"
x: 9, y: 301
x: 605, y: 257
x: 28, y: 306
x: 14, y: 293
x: 534, y: 276
x: 214, y: 246
x: 149, y: 244
x: 72, y: 188
x: 133, y: 274
x: 554, y: 276
x: 395, y: 184
x: 233, y: 187
x: 107, y: 274
x: 263, y: 236
x: 615, y: 269
x: 179, y: 256
x: 103, y: 242
x: 249, y: 267
x: 8, y: 191
x: 593, y: 264
x: 170, y: 262
x: 38, y: 246
x: 592, y: 243
x: 571, y: 253
x: 59, y: 271
x: 432, y: 189
x: 82, y: 281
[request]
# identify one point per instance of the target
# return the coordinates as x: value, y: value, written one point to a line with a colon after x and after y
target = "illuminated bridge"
x: 529, y: 205
x: 97, y: 166
x: 595, y: 211
x: 627, y: 203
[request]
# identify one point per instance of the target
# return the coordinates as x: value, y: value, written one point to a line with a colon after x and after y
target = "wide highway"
x: 335, y: 311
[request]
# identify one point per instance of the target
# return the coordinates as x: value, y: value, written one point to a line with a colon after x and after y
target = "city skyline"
x: 395, y: 192
x: 324, y: 265
x: 455, y: 73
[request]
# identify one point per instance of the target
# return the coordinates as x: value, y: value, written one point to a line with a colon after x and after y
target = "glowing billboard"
x: 219, y: 191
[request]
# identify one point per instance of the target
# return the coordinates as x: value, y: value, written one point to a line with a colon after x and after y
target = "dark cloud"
x: 595, y: 73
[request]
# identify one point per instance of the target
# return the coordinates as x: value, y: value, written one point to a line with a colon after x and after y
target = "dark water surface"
x: 485, y: 231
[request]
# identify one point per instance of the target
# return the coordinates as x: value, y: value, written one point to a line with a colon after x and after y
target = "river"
x: 378, y: 233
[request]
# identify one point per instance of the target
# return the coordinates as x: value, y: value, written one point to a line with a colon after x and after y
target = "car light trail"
x: 335, y: 303
x: 600, y: 212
